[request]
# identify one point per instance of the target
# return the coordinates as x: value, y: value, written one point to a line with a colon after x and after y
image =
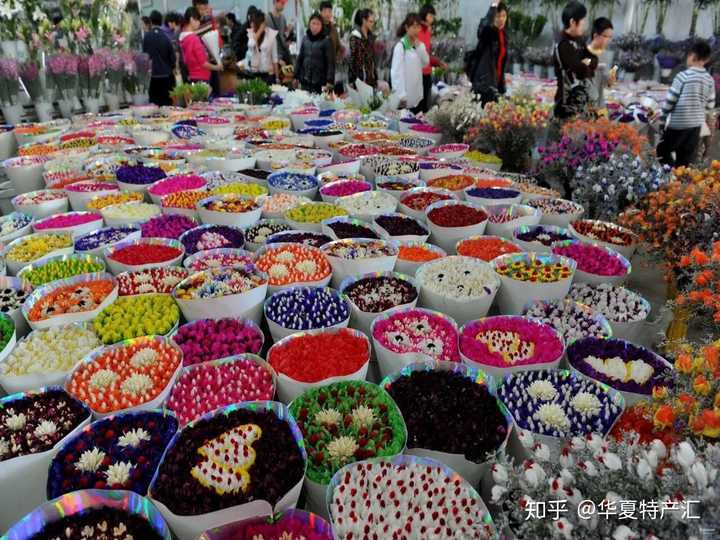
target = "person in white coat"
x: 262, y: 55
x: 409, y: 57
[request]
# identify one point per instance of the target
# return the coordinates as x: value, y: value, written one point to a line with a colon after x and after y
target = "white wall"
x: 677, y: 22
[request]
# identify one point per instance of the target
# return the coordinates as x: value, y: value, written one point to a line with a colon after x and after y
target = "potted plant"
x: 198, y: 92
x: 253, y: 91
x: 179, y: 94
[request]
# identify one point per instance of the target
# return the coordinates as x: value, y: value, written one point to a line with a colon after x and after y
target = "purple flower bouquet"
x: 629, y: 368
x: 560, y: 404
x: 118, y: 452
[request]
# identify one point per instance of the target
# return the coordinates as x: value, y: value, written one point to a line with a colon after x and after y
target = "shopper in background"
x: 160, y: 49
x: 362, y: 56
x: 275, y: 20
x: 574, y: 65
x: 207, y: 24
x: 262, y: 60
x: 689, y: 104
x: 194, y: 53
x: 146, y: 25
x: 490, y: 57
x: 409, y: 57
x: 240, y: 41
x: 427, y: 18
x: 206, y: 17
x: 174, y: 22
x: 326, y: 11
x: 315, y: 64
x: 233, y: 25
x: 604, y: 76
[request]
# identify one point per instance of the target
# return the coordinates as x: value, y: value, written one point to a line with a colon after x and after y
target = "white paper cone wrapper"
x: 84, y: 499
x: 235, y: 219
x: 190, y: 527
x: 19, y: 233
x: 597, y: 279
x: 13, y: 266
x: 67, y: 318
x: 247, y: 305
x: 154, y: 403
x: 448, y: 237
x: 514, y: 295
x: 461, y: 310
x: 344, y: 268
x: 625, y: 251
x: 289, y: 388
x: 42, y: 209
x: 28, y: 477
x: 400, y: 460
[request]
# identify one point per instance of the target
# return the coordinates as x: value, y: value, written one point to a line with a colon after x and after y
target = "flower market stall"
x: 283, y: 316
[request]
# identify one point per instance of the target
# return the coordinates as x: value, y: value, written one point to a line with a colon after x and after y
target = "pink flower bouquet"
x: 503, y: 344
x: 595, y: 264
x: 63, y: 71
x: 402, y: 335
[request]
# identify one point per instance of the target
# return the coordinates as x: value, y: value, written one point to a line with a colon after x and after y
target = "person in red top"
x: 194, y: 53
x: 209, y: 23
x: 427, y: 16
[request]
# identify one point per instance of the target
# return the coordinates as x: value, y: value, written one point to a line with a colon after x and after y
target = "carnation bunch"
x: 655, y: 484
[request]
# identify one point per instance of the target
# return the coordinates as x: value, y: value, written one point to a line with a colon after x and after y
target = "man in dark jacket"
x: 315, y: 64
x: 240, y: 39
x: 160, y: 49
x: 488, y: 75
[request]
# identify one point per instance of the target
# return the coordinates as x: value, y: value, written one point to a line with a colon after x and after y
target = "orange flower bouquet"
x: 679, y: 216
x: 689, y: 406
x: 702, y: 292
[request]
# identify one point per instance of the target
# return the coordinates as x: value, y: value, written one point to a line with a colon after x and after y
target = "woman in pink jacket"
x: 194, y: 53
